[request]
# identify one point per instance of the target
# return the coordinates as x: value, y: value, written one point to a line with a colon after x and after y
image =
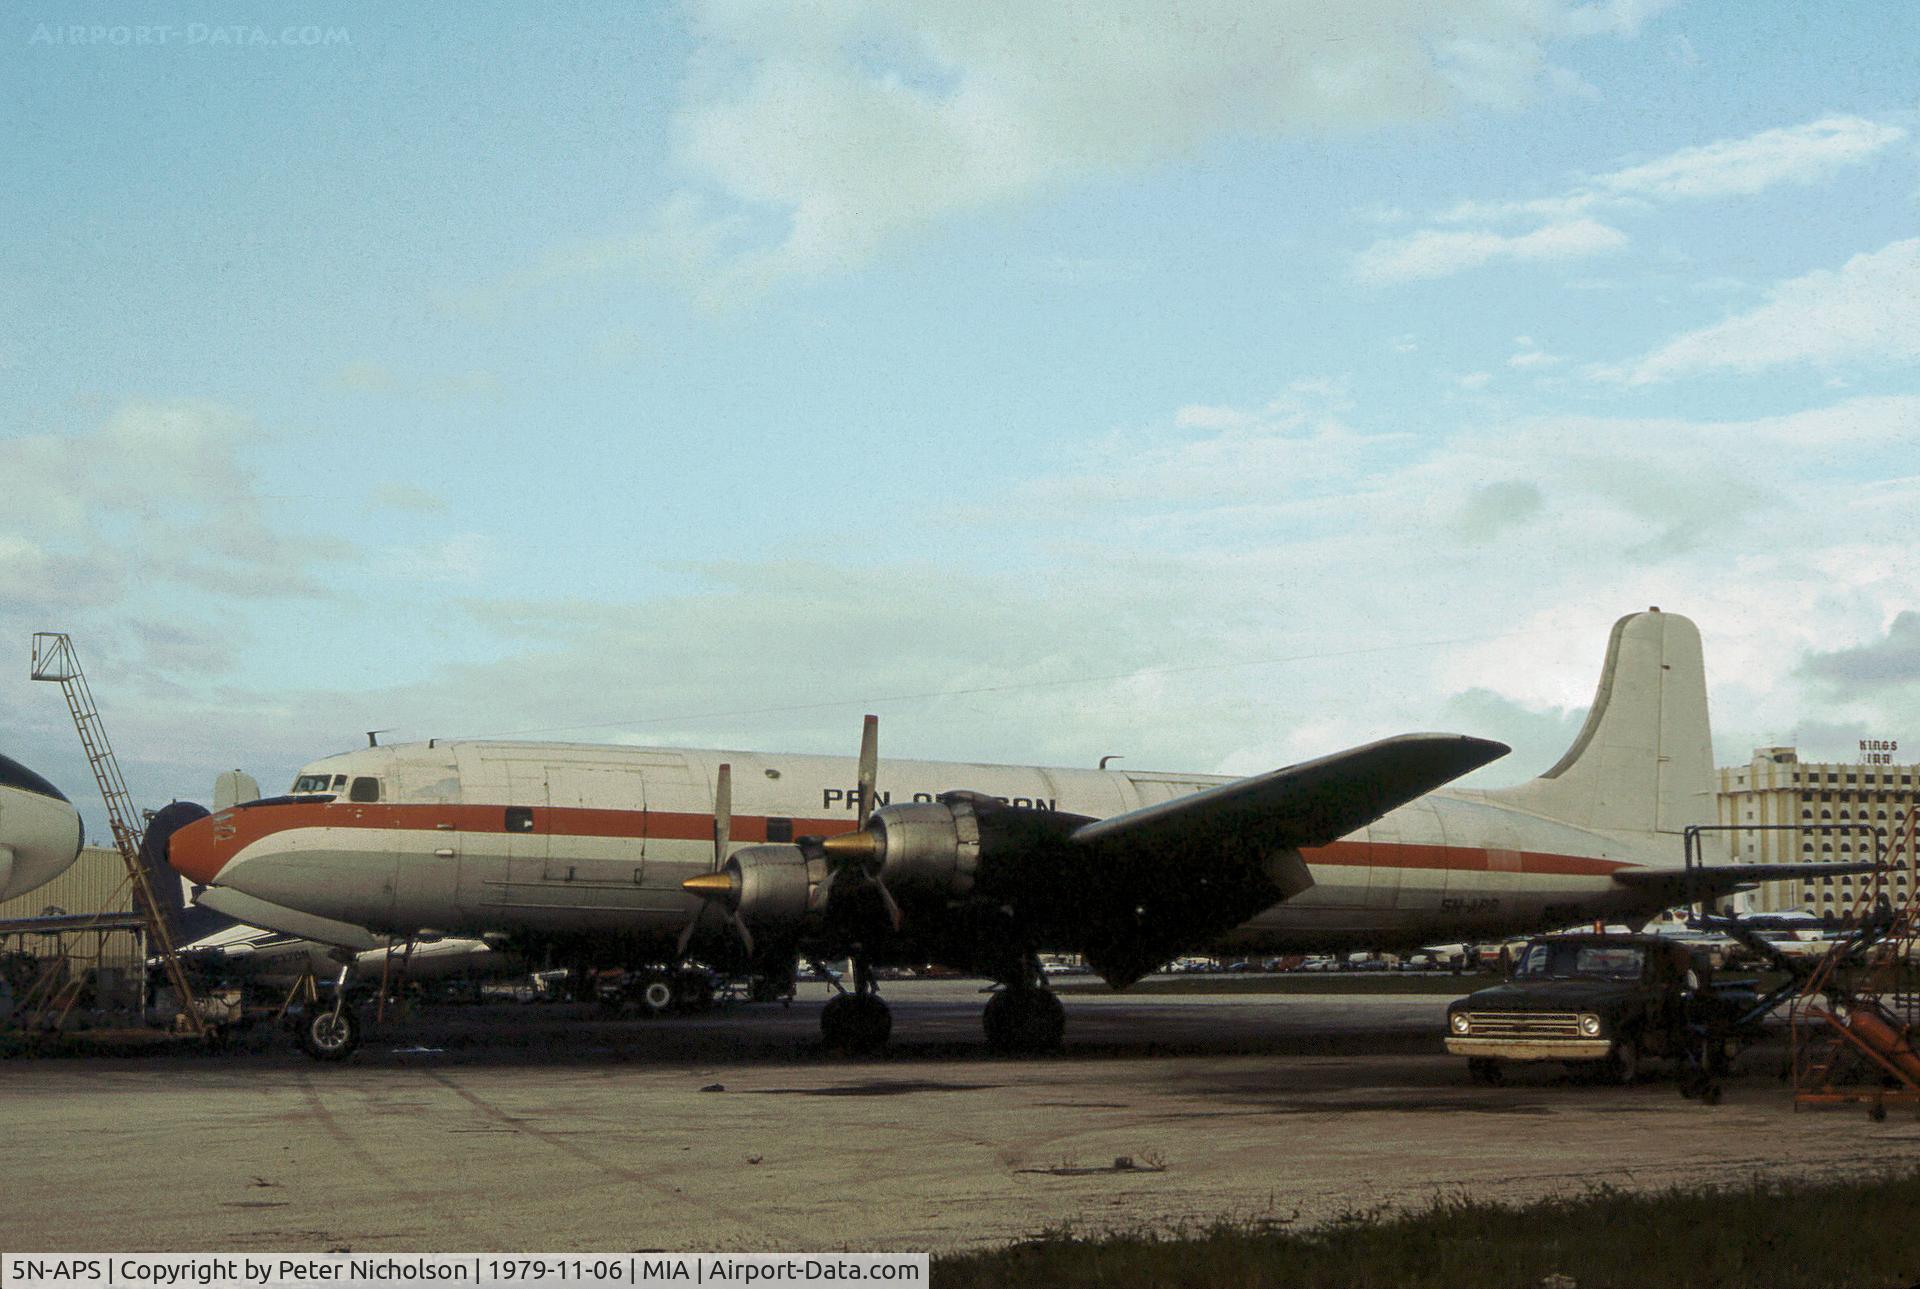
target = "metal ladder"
x: 54, y: 660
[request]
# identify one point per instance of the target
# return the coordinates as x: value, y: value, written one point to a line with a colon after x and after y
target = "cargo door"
x: 596, y: 836
x: 1485, y: 884
x: 525, y: 824
x: 426, y: 887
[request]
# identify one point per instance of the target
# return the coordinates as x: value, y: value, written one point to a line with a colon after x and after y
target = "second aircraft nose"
x: 192, y: 850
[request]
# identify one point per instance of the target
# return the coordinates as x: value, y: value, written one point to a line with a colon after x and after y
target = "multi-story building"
x: 1785, y: 811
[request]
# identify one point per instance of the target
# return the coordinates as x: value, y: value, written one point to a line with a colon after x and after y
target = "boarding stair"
x: 1855, y: 1020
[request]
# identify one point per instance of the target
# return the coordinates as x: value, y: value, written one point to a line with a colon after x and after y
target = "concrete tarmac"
x: 544, y: 1128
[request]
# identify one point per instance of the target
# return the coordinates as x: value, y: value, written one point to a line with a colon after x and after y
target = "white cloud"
x: 1568, y: 224
x: 1528, y: 356
x: 1868, y: 310
x: 1800, y: 154
x: 449, y: 387
x: 810, y: 144
x: 406, y: 498
x: 1281, y: 581
x: 1434, y: 253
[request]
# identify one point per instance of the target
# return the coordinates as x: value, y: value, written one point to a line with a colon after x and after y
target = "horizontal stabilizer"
x: 58, y: 923
x: 1705, y: 881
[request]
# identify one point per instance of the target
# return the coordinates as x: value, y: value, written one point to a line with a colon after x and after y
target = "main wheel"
x: 857, y: 1024
x: 1023, y: 1021
x: 327, y: 1036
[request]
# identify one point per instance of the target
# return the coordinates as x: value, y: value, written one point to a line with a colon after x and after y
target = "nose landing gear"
x: 331, y: 1033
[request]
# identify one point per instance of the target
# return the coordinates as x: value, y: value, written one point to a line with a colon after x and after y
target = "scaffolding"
x: 54, y: 660
x: 1856, y: 1018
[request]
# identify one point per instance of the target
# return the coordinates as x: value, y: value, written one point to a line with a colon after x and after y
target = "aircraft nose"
x: 193, y: 852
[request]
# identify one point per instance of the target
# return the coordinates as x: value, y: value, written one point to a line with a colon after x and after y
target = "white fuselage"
x: 573, y: 839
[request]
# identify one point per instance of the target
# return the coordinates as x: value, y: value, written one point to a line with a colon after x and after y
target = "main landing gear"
x: 1024, y: 1017
x: 857, y: 1022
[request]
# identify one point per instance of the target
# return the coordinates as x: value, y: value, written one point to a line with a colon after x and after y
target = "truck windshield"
x: 1546, y: 960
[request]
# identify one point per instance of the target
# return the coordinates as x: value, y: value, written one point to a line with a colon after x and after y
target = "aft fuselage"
x: 560, y: 841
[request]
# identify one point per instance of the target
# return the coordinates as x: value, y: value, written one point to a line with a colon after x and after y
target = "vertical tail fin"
x: 185, y: 922
x: 1644, y: 760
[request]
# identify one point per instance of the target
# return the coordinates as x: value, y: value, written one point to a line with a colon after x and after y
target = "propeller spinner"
x: 715, y: 885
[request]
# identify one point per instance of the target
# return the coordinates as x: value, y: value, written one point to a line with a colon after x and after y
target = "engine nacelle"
x: 773, y: 886
x: 929, y: 849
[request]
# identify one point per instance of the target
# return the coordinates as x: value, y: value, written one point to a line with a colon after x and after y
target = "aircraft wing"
x: 1706, y: 881
x: 242, y: 907
x: 1309, y: 804
x: 56, y: 923
x: 1155, y: 881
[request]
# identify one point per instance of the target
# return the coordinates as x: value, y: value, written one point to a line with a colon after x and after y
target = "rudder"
x: 1643, y: 762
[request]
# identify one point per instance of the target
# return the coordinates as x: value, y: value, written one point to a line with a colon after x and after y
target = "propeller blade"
x: 869, y: 764
x: 746, y: 936
x: 686, y: 933
x: 893, y: 908
x: 722, y: 815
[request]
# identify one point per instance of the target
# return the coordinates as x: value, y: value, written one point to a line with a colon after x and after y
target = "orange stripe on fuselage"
x: 233, y: 830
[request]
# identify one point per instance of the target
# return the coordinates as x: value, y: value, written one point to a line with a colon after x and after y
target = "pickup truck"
x: 1601, y: 1003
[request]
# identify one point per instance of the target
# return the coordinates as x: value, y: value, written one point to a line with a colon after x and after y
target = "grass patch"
x: 1379, y: 982
x: 1766, y: 1235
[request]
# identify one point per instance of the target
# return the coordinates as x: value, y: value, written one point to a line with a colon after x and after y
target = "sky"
x: 1214, y: 385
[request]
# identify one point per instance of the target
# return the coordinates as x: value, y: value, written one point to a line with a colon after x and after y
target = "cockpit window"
x: 308, y: 784
x: 365, y: 788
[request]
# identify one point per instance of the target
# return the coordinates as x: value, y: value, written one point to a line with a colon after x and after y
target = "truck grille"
x: 1524, y: 1024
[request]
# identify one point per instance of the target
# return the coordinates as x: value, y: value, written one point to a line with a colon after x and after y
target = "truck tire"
x: 1623, y: 1062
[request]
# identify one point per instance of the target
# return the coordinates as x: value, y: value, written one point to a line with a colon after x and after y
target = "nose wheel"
x: 331, y: 1034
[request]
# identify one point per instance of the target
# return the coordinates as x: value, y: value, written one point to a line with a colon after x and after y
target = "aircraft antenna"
x: 54, y: 660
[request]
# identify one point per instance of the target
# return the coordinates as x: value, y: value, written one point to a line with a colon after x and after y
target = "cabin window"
x: 779, y: 829
x: 365, y: 788
x: 519, y: 819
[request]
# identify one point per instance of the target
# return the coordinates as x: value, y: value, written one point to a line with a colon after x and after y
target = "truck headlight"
x: 1459, y: 1022
x: 1590, y: 1025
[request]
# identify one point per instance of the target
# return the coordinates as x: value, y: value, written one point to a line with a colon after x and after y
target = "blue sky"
x: 1215, y: 384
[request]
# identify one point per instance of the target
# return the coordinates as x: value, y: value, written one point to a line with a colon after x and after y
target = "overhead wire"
x: 1018, y: 686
